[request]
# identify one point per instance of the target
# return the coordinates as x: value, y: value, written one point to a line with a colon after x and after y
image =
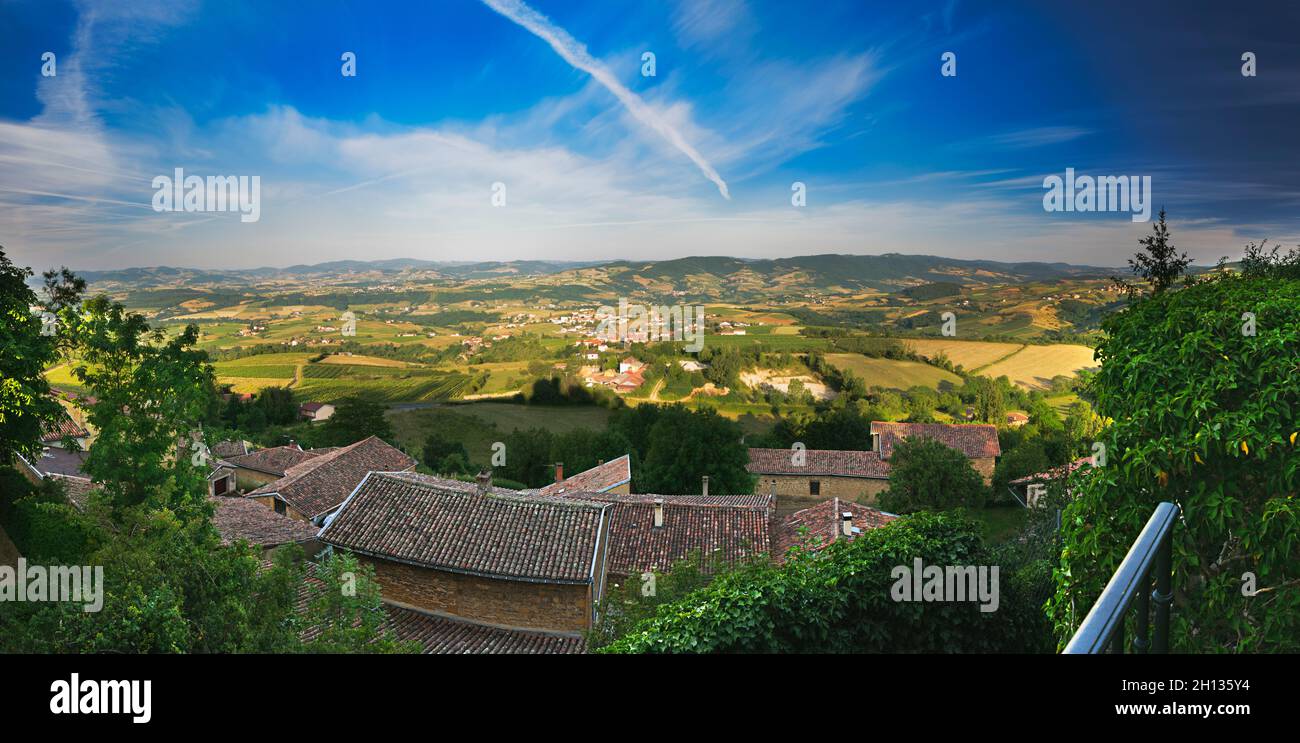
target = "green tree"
x: 685, y: 445
x: 1161, y: 265
x: 436, y: 450
x: 278, y: 405
x: 25, y: 402
x: 1204, y: 415
x: 926, y: 475
x: 345, y: 611
x: 355, y: 419
x: 148, y: 394
x: 528, y: 457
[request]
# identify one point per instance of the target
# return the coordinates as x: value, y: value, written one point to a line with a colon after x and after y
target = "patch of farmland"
x: 892, y: 373
x: 970, y: 354
x: 332, y: 382
x: 1034, y: 366
x: 253, y: 385
x: 266, y: 371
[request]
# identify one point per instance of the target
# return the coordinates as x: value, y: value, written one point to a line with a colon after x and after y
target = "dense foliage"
x: 24, y: 354
x: 1204, y: 415
x: 839, y: 600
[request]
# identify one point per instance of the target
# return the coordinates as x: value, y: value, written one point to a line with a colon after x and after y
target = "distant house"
x: 1016, y: 419
x: 525, y: 562
x: 614, y: 476
x: 1030, y: 488
x: 819, y: 526
x: 257, y: 468
x: 315, y: 411
x: 230, y: 448
x: 816, y: 474
x: 316, y: 487
x: 978, y: 442
x: 630, y: 364
x: 63, y: 429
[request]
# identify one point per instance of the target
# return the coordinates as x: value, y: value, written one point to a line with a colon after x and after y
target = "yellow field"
x: 970, y: 354
x: 892, y: 373
x: 361, y: 360
x: 1034, y: 366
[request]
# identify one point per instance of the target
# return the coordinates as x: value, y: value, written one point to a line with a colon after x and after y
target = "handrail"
x: 1151, y: 553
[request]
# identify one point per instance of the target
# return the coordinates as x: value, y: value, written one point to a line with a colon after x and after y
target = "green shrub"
x: 839, y: 600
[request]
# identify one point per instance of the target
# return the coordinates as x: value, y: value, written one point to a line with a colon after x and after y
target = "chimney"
x: 771, y: 487
x: 483, y: 482
x: 846, y: 523
x: 706, y: 485
x: 659, y: 511
x: 559, y: 471
x: 294, y: 445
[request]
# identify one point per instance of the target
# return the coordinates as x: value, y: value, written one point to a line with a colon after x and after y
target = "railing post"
x: 1164, y: 593
x: 1142, y: 632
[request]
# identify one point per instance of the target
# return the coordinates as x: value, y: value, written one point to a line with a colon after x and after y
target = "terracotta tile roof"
x: 724, y: 528
x: 445, y: 635
x: 820, y: 462
x: 239, y: 518
x: 1055, y: 473
x: 823, y: 524
x: 320, y: 484
x: 598, y: 479
x: 275, y: 460
x: 78, y: 489
x: 226, y: 449
x: 53, y: 432
x: 514, y: 537
x: 438, y: 634
x: 973, y: 440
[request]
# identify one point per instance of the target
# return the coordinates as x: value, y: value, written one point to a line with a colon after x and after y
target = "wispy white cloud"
x: 576, y: 54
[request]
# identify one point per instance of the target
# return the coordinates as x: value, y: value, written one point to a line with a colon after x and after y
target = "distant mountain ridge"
x: 876, y: 271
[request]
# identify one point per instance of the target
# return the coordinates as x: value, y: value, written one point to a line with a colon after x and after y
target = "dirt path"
x: 8, y: 552
x: 654, y: 393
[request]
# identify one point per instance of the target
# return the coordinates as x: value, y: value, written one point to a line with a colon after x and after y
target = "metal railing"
x: 1150, y: 557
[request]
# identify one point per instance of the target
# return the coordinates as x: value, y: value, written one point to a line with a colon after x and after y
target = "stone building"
x: 979, y: 442
x: 803, y: 478
x: 476, y: 553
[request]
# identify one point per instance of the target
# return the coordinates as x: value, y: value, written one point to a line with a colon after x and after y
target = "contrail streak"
x: 576, y: 54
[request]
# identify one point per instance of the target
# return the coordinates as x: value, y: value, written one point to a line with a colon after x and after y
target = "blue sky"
x: 602, y: 162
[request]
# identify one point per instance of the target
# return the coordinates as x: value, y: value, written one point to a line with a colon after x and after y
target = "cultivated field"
x: 1034, y: 366
x: 892, y: 373
x: 970, y: 354
x: 1028, y: 366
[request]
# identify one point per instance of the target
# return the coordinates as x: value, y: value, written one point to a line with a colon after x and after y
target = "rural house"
x: 800, y: 482
x: 614, y: 476
x: 979, y: 442
x: 315, y: 411
x: 315, y: 487
x: 821, y: 525
x: 477, y: 553
x: 257, y: 468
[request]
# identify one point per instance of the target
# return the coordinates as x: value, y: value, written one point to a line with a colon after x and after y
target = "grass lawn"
x: 479, y: 425
x: 892, y: 373
x: 999, y: 523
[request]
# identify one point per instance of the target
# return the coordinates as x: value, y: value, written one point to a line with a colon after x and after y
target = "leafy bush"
x: 926, y: 475
x: 839, y: 600
x: 1204, y: 415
